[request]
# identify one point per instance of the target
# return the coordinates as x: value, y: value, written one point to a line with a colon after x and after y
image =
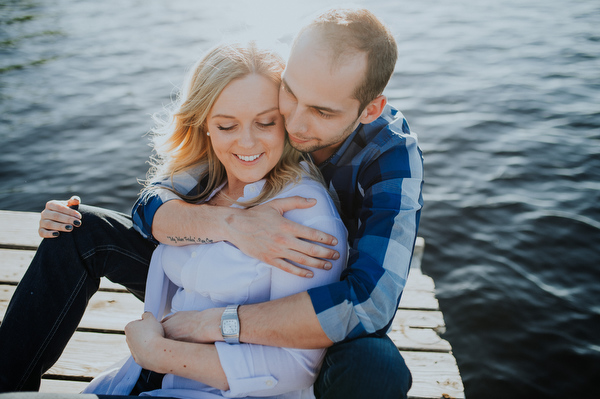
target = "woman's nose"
x: 247, y: 138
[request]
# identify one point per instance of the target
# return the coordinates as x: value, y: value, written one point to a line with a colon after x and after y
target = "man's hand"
x: 263, y: 233
x: 272, y: 323
x: 59, y: 216
x: 143, y: 337
x: 193, y: 326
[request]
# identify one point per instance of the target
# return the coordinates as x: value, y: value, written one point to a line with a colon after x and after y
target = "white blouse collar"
x: 251, y: 190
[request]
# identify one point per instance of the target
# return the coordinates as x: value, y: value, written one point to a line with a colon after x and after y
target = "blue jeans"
x: 51, y: 298
x: 368, y: 367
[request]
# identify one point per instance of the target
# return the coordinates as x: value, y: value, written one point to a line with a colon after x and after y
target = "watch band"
x: 230, y: 325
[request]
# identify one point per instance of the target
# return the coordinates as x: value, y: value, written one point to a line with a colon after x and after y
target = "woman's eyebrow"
x: 233, y: 117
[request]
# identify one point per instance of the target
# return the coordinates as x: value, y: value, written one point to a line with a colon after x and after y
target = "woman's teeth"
x: 248, y: 158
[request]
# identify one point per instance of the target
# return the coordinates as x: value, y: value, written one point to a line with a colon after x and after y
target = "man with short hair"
x: 332, y: 102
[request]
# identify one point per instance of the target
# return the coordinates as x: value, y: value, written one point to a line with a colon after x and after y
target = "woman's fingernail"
x: 55, y: 234
x: 327, y: 266
x: 309, y: 275
x: 77, y: 223
x: 68, y: 227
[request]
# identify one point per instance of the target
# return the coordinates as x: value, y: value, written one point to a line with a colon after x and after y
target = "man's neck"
x: 322, y: 155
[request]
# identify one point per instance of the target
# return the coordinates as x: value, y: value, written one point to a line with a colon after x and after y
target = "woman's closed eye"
x: 226, y: 128
x: 265, y: 125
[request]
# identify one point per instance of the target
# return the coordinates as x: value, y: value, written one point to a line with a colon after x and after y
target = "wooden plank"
x: 419, y: 300
x: 62, y: 386
x: 418, y: 330
x: 107, y: 311
x: 13, y: 264
x: 418, y: 253
x: 415, y: 329
x: 435, y: 375
x: 417, y: 281
x: 88, y: 354
x: 19, y: 230
x: 419, y: 292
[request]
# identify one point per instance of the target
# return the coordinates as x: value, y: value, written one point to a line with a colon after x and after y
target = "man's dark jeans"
x: 51, y: 298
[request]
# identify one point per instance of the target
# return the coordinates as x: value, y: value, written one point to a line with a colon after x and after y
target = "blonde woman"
x: 228, y: 130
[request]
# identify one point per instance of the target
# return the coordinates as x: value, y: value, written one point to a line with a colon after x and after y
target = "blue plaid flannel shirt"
x: 378, y: 177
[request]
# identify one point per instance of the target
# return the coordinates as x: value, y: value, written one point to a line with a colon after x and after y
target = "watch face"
x: 230, y: 327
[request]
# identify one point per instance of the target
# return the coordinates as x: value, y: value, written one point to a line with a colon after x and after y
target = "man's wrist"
x: 230, y: 325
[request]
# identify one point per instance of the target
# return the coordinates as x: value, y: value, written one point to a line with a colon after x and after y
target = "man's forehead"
x: 313, y: 99
x: 312, y: 73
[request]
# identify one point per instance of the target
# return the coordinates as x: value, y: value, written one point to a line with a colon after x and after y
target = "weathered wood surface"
x: 19, y: 230
x: 99, y: 341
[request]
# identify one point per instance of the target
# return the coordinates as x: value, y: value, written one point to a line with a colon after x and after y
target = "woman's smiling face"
x: 246, y: 130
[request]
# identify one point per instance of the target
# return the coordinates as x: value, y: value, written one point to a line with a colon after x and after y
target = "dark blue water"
x: 505, y: 96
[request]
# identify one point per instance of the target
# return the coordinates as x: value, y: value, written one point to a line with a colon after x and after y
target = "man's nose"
x: 296, y: 121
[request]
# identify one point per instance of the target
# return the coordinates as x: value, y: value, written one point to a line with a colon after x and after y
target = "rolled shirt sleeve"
x: 158, y: 193
x: 257, y: 370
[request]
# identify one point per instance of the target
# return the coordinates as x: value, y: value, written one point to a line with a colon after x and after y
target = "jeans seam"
x: 115, y: 248
x: 52, y: 332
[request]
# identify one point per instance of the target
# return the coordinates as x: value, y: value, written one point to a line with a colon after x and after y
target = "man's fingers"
x: 317, y: 236
x: 307, y: 261
x: 283, y: 205
x: 292, y: 269
x: 310, y: 234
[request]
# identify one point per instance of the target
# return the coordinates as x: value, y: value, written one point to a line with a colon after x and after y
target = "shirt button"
x: 269, y: 383
x: 194, y: 254
x: 204, y: 294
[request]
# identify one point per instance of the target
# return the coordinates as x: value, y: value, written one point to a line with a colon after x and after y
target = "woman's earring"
x: 208, y: 133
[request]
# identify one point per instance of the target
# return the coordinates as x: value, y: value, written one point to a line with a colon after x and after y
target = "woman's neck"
x: 234, y: 190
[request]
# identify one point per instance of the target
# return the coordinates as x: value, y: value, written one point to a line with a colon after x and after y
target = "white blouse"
x: 202, y: 276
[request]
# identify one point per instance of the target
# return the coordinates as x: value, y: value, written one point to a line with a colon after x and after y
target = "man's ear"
x: 373, y: 110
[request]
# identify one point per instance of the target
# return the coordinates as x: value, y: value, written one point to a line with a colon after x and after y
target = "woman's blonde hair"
x: 181, y: 142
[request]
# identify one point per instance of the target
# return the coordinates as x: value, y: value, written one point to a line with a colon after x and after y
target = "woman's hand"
x: 59, y: 216
x: 144, y: 337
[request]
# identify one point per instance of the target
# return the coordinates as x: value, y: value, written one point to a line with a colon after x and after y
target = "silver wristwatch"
x: 230, y: 325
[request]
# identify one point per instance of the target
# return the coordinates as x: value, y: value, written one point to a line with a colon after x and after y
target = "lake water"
x: 505, y: 97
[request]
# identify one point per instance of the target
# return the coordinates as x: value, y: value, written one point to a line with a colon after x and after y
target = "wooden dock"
x: 100, y: 342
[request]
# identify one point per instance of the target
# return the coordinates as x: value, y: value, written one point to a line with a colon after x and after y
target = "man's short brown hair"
x: 349, y: 30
